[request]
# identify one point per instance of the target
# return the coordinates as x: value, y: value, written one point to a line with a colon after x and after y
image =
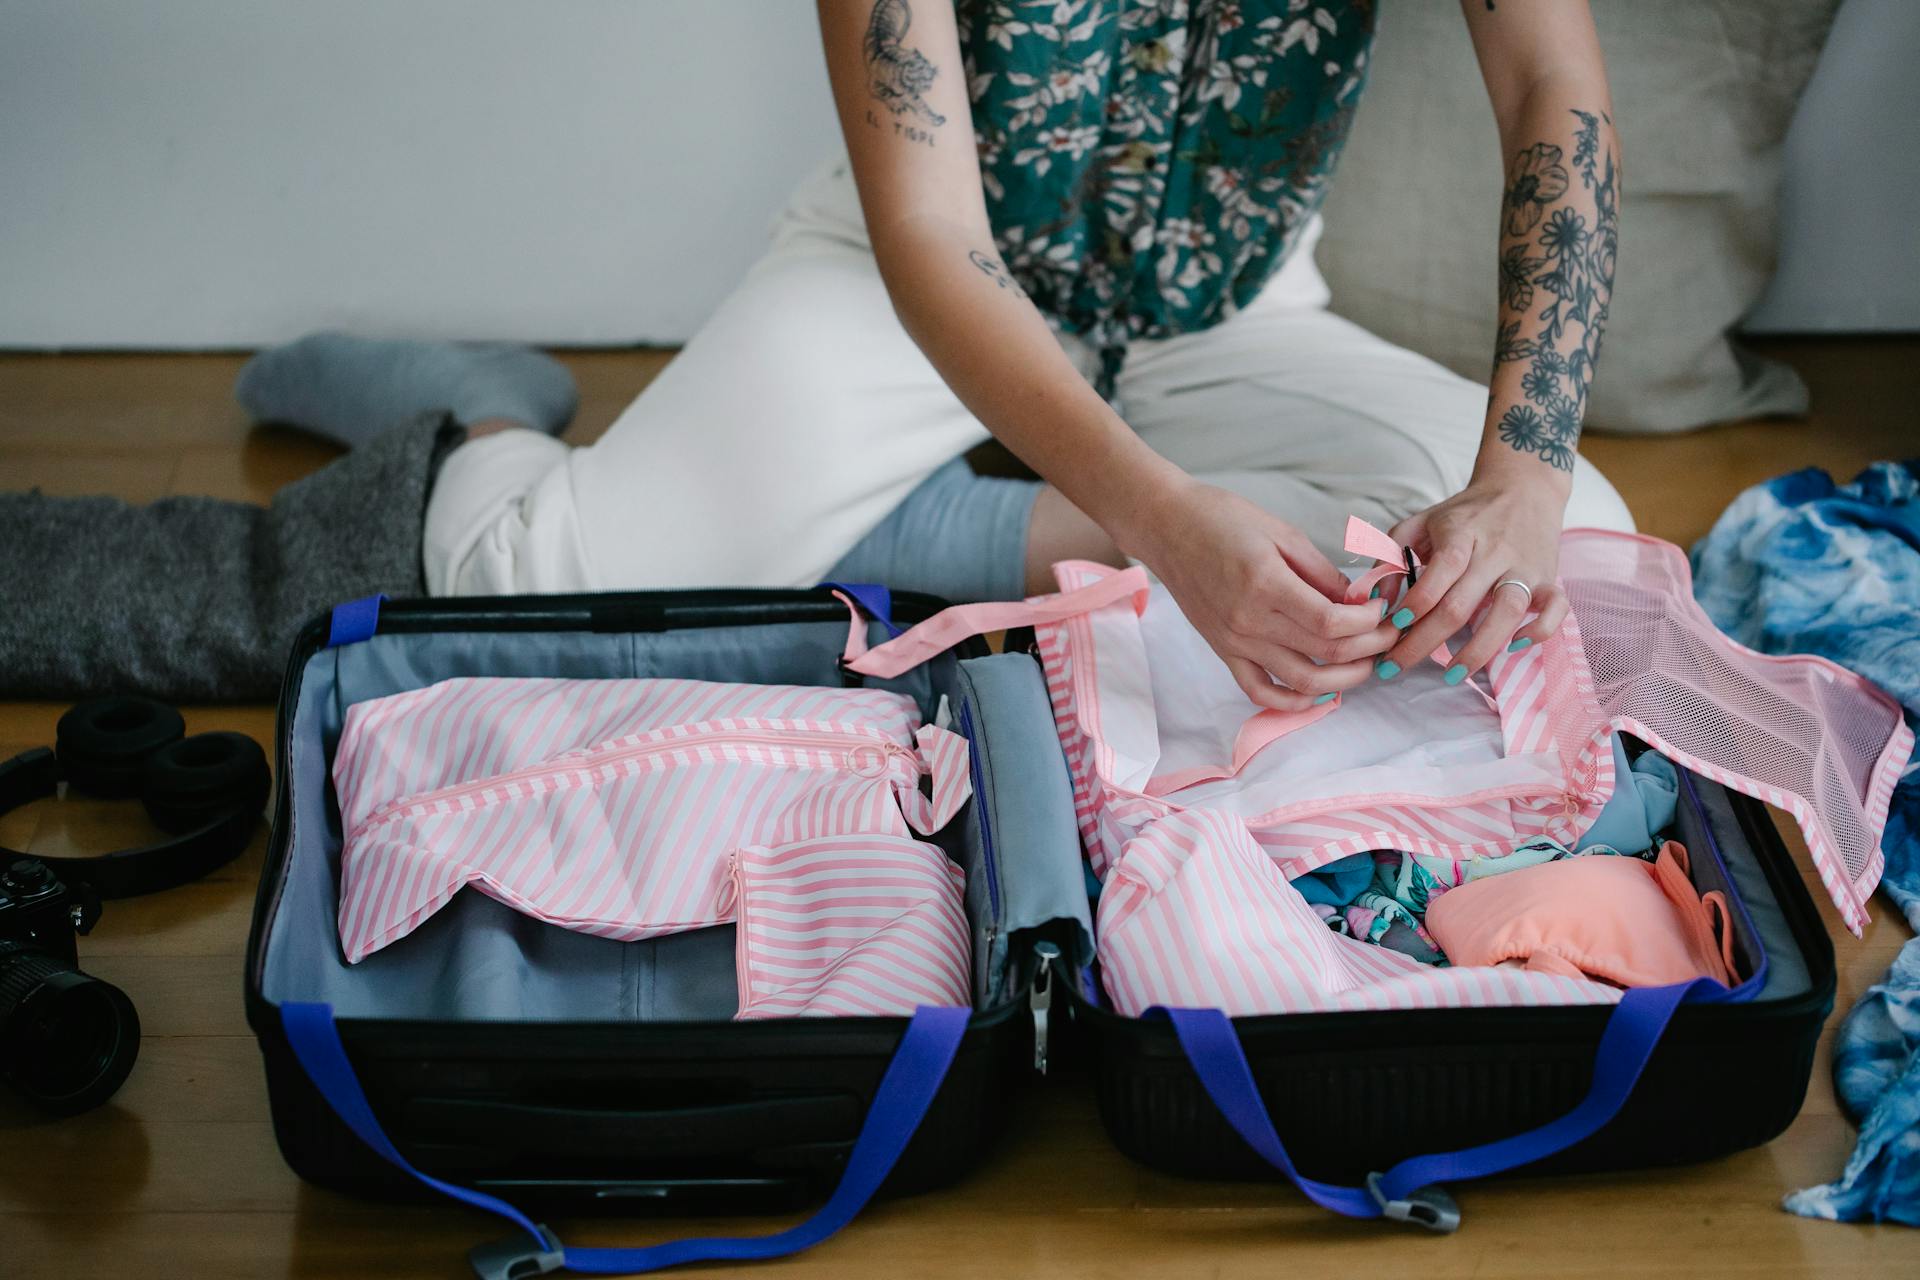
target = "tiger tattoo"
x: 901, y: 76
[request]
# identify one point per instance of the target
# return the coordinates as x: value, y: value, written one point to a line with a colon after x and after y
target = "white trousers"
x: 802, y: 413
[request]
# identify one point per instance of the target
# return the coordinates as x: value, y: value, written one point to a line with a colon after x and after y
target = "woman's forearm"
x: 965, y: 311
x: 1559, y: 217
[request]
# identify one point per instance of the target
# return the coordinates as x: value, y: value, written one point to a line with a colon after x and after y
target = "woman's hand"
x: 1487, y: 533
x: 1264, y: 598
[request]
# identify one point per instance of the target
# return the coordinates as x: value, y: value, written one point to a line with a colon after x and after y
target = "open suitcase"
x: 523, y: 1061
x: 519, y: 1084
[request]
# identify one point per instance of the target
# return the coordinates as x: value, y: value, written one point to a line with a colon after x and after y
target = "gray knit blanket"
x: 197, y: 599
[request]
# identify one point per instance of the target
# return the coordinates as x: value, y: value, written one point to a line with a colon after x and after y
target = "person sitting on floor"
x: 1089, y: 238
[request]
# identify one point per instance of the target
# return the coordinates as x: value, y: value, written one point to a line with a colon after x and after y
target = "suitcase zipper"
x: 988, y: 856
x: 865, y: 756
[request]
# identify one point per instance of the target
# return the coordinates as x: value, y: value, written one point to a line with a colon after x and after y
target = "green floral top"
x: 1148, y: 163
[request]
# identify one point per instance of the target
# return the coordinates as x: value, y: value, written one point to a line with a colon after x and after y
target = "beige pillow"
x: 1703, y: 92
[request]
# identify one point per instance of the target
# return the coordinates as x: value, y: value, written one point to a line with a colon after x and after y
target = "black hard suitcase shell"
x: 613, y: 1114
x: 1352, y: 1094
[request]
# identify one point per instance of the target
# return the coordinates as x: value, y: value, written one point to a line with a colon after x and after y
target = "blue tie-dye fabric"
x: 1802, y: 565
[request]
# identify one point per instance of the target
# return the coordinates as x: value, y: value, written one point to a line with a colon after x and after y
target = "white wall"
x: 205, y: 173
x: 208, y: 173
x: 1850, y: 205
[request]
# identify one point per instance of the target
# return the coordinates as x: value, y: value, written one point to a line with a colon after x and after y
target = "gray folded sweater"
x: 198, y: 599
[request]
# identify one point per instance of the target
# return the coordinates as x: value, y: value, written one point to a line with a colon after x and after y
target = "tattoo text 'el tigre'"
x: 1552, y: 256
x: 900, y: 77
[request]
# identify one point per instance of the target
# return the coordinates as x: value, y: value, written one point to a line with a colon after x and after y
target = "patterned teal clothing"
x: 1149, y: 163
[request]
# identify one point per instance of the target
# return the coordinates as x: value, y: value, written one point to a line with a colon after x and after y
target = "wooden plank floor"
x: 179, y: 1176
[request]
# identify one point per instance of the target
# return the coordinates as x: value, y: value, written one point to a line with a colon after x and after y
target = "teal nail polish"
x: 1384, y: 606
x: 1324, y: 699
x: 1456, y: 673
x: 1386, y: 668
x: 1519, y: 644
x: 1375, y: 595
x: 1403, y: 619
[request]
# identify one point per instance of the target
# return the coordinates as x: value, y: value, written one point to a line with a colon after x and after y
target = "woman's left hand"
x: 1484, y: 535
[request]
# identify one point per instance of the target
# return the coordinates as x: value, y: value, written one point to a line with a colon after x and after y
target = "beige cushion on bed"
x: 1703, y: 91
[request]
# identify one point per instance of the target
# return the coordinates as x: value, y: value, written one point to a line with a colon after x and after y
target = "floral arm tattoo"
x: 1559, y: 234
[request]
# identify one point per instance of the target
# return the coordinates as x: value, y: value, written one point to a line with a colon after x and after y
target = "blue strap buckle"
x: 518, y: 1259
x: 1430, y: 1207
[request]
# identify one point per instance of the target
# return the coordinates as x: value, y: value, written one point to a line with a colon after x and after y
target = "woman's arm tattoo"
x: 900, y: 76
x: 1553, y: 256
x: 995, y: 270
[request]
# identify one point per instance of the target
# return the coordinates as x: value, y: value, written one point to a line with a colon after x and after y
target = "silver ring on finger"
x: 1515, y: 582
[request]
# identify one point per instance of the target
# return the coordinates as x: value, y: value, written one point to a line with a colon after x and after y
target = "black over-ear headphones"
x: 207, y: 792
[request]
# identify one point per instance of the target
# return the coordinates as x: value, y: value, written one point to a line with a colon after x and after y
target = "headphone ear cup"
x: 195, y: 780
x: 103, y: 744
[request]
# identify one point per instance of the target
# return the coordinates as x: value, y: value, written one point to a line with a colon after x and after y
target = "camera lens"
x: 67, y: 1040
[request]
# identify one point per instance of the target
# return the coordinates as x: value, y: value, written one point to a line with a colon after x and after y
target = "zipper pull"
x: 874, y: 759
x: 730, y: 890
x: 1040, y: 1000
x: 869, y: 760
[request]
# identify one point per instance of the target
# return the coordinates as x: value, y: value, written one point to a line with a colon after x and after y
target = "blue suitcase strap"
x: 912, y: 1078
x: 875, y: 599
x: 354, y: 621
x: 1410, y: 1191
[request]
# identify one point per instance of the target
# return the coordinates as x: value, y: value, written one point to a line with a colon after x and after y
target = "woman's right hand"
x: 1266, y: 600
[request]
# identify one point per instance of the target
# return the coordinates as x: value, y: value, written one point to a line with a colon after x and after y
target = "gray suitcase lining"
x: 1721, y: 857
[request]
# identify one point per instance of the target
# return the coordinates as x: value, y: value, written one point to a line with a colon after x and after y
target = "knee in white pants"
x: 477, y: 538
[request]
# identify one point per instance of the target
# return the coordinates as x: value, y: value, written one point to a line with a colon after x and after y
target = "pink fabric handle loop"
x: 1364, y: 539
x: 1363, y: 585
x: 950, y: 626
x: 856, y: 628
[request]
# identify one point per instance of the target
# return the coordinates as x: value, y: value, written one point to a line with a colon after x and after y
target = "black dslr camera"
x: 67, y: 1040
